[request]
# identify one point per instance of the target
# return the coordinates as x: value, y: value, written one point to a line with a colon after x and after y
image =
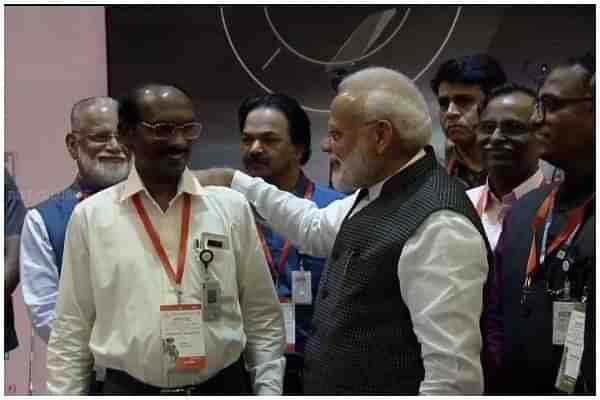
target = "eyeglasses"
x: 507, y: 127
x: 100, y: 137
x: 549, y: 103
x: 163, y: 130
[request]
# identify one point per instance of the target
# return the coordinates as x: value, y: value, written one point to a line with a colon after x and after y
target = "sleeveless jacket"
x: 55, y: 212
x: 363, y: 340
x: 530, y: 360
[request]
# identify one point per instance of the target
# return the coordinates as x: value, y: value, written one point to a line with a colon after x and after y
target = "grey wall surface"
x: 221, y: 55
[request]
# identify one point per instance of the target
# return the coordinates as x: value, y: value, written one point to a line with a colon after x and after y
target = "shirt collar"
x: 533, y: 182
x: 375, y: 190
x: 187, y: 184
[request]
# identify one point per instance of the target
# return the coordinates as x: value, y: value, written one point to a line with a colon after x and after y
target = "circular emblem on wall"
x: 298, y: 50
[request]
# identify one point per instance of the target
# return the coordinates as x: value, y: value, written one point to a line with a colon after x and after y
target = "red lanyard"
x: 574, y: 222
x: 451, y: 165
x: 186, y: 213
x: 287, y: 246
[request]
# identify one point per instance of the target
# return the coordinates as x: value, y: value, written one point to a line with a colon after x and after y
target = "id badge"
x: 301, y: 287
x: 211, y: 300
x: 570, y: 364
x: 561, y: 313
x: 182, y: 336
x: 289, y: 317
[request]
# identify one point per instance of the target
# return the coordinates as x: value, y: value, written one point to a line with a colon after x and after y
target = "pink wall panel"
x: 54, y: 56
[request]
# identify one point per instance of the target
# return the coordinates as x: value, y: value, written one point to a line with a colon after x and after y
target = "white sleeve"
x: 39, y: 273
x: 442, y: 270
x: 69, y: 357
x: 311, y: 229
x: 261, y: 312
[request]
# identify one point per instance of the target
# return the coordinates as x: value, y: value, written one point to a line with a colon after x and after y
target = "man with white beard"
x: 400, y: 299
x: 101, y: 162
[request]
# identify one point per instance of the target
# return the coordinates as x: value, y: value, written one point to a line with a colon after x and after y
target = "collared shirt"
x: 457, y: 168
x: 441, y: 270
x: 39, y: 273
x: 493, y: 210
x: 113, y: 283
x: 303, y: 312
x: 38, y: 267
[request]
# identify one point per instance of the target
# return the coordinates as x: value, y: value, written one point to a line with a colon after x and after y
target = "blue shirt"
x: 322, y: 196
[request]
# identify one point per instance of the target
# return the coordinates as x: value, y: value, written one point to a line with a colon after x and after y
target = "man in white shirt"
x: 164, y: 281
x: 509, y: 154
x: 101, y: 162
x: 400, y: 300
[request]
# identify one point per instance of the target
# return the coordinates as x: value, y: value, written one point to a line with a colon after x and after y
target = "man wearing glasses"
x: 164, y: 281
x: 509, y: 154
x: 546, y: 252
x: 461, y: 84
x: 101, y: 162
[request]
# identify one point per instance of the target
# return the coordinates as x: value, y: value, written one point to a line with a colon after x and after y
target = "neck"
x: 393, y: 165
x: 502, y: 184
x: 85, y: 186
x: 577, y: 183
x: 161, y: 190
x: 470, y: 155
x: 288, y: 180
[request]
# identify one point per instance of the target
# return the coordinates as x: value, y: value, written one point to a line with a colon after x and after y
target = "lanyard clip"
x: 525, y: 293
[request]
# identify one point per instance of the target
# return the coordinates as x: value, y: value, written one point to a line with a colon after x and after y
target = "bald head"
x: 388, y: 94
x: 146, y: 99
x: 86, y: 112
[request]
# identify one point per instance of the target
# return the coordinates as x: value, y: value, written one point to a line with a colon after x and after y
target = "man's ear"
x: 384, y: 133
x: 71, y: 142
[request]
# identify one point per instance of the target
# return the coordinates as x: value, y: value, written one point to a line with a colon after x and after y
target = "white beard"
x: 101, y: 174
x: 353, y: 173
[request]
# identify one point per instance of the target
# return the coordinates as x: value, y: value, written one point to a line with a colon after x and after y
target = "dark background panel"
x: 189, y: 46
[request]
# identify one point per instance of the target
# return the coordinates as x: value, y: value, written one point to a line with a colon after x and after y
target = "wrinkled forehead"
x: 98, y: 115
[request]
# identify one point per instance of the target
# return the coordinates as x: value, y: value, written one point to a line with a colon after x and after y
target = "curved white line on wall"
x: 437, y: 54
x: 318, y: 110
x: 333, y: 63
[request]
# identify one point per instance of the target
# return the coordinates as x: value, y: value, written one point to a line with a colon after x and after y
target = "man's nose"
x: 114, y: 145
x: 453, y: 110
x: 326, y: 144
x: 256, y: 147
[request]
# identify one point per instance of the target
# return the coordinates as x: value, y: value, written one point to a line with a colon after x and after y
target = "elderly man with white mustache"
x: 101, y: 162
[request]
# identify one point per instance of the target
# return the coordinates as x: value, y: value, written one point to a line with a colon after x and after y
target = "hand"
x: 215, y: 176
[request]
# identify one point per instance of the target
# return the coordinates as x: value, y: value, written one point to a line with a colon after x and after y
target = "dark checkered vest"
x: 363, y: 340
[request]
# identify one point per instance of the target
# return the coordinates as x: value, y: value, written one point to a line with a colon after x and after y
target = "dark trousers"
x: 231, y: 380
x: 292, y: 380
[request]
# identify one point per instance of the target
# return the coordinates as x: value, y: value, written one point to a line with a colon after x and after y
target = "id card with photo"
x: 182, y: 334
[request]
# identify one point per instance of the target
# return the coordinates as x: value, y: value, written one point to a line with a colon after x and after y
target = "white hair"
x: 390, y: 95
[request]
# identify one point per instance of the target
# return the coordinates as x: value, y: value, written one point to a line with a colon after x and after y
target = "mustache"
x: 255, y: 159
x: 174, y: 149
